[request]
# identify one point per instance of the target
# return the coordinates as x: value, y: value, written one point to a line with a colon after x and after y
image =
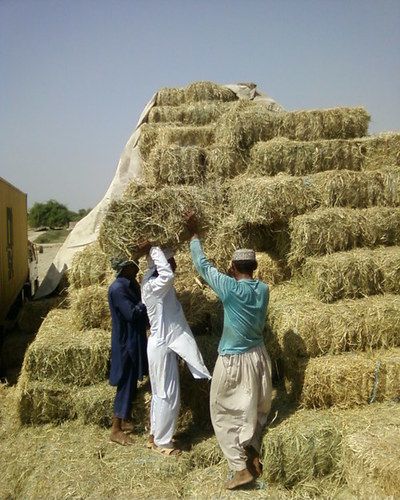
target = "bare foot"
x: 121, y: 438
x: 127, y: 426
x: 240, y: 478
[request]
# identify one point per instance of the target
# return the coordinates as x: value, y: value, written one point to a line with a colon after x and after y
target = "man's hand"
x: 191, y: 223
x: 144, y: 248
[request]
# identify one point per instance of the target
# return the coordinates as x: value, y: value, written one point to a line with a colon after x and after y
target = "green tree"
x: 51, y: 214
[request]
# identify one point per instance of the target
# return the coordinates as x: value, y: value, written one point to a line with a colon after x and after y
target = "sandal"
x: 168, y: 452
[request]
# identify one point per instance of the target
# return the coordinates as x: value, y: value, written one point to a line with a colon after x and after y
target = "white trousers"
x: 240, y: 400
x: 165, y: 403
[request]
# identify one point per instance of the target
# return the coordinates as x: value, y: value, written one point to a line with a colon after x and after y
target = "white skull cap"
x: 244, y: 254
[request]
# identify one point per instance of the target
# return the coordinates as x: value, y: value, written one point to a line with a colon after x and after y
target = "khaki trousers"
x: 240, y: 400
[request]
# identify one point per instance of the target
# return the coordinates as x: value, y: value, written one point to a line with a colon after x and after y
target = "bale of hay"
x: 91, y: 266
x: 169, y: 96
x: 270, y: 268
x: 175, y: 165
x: 306, y: 157
x: 43, y: 402
x: 353, y: 274
x: 345, y: 380
x: 224, y: 162
x: 247, y: 123
x: 156, y: 215
x: 306, y: 327
x: 309, y: 444
x: 90, y: 309
x: 208, y: 91
x: 202, y: 308
x: 57, y: 320
x: 199, y: 113
x: 274, y: 200
x: 335, y: 229
x: 372, y: 461
x: 206, y: 454
x: 189, y: 135
x: 78, y: 358
x: 94, y: 405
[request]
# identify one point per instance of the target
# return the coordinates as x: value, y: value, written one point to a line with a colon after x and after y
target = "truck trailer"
x: 14, y: 247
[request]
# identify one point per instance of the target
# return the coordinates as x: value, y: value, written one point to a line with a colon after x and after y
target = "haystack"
x: 353, y: 274
x: 303, y: 326
x: 372, y: 461
x: 336, y: 229
x: 345, y: 380
x: 307, y: 157
x: 156, y: 215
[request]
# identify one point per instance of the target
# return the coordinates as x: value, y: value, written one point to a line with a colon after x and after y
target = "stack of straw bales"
x: 319, y: 200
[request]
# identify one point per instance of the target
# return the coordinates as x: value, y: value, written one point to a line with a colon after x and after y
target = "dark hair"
x: 245, y: 266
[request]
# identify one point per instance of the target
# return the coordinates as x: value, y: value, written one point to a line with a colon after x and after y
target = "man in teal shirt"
x: 241, y: 389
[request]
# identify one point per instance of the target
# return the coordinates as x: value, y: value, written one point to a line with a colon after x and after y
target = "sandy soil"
x: 46, y: 258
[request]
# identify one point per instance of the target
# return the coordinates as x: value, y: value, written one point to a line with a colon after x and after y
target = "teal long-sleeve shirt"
x: 245, y: 305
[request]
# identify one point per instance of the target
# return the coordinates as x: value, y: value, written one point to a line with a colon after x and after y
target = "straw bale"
x: 353, y: 274
x: 247, y: 123
x: 200, y: 113
x: 202, y: 308
x: 274, y: 200
x: 170, y: 96
x: 309, y: 444
x: 186, y: 135
x: 156, y: 215
x: 57, y: 320
x: 89, y: 307
x: 306, y: 327
x: 206, y: 454
x: 91, y: 266
x: 175, y: 165
x: 149, y: 133
x: 224, y: 162
x: 79, y: 358
x: 372, y: 461
x: 43, y: 402
x: 346, y: 380
x: 208, y: 91
x: 336, y: 229
x: 305, y: 157
x: 270, y: 268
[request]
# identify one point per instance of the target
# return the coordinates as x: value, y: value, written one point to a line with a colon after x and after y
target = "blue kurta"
x: 128, y: 339
x: 245, y: 305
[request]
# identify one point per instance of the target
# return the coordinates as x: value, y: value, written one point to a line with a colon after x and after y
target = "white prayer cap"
x: 244, y: 254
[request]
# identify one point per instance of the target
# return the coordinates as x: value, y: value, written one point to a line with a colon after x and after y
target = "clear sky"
x: 76, y: 74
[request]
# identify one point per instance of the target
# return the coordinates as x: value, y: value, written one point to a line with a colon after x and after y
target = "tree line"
x: 53, y: 214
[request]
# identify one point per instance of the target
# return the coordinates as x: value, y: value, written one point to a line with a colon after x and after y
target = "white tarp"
x: 129, y: 168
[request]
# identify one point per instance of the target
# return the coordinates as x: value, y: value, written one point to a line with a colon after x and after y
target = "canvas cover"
x: 129, y: 168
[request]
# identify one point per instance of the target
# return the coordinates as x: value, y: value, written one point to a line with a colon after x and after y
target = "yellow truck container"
x: 14, y: 268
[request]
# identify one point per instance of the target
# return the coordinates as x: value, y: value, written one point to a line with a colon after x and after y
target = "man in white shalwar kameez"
x: 170, y: 337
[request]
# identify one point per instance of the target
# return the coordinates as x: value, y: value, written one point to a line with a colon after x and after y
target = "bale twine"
x: 332, y: 230
x: 156, y: 215
x: 372, y: 461
x: 306, y: 327
x: 345, y: 380
x: 353, y: 274
x: 91, y: 266
x: 306, y: 157
x: 90, y: 309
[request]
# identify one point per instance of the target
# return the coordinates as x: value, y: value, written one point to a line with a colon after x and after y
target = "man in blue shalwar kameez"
x: 128, y: 344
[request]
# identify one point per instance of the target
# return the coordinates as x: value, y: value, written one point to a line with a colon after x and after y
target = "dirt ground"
x: 46, y: 258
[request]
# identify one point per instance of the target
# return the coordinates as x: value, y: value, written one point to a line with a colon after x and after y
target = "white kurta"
x: 170, y: 335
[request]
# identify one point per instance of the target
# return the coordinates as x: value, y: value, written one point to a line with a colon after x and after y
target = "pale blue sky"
x: 76, y: 74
